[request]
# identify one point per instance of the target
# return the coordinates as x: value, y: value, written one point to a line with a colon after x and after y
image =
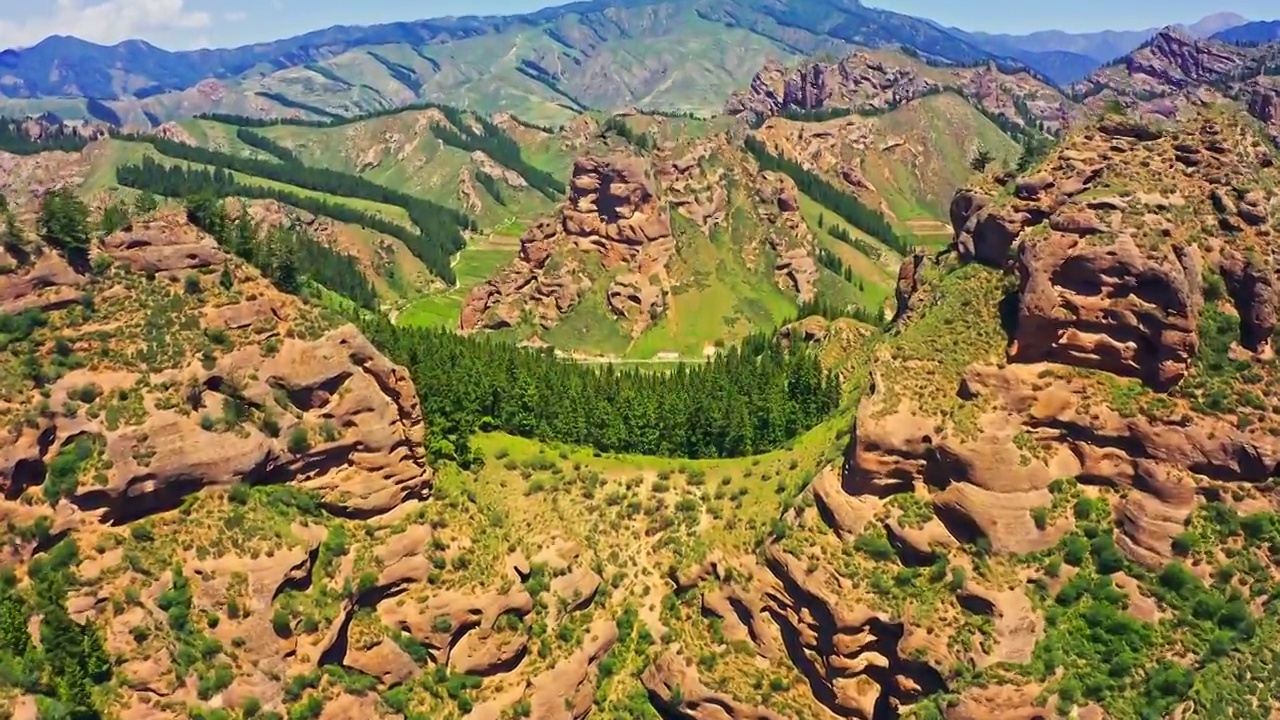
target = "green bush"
x: 299, y: 441
x: 875, y: 544
x: 62, y: 476
x: 281, y: 623
x: 1040, y: 516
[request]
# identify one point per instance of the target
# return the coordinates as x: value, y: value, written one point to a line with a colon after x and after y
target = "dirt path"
x: 928, y: 227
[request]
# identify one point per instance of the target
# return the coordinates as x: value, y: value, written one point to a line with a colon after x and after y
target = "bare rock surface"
x: 612, y: 213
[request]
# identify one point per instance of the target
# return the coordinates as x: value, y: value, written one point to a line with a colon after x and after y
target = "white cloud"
x: 235, y: 16
x: 103, y: 21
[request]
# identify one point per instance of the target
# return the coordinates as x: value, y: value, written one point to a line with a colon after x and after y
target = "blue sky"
x: 182, y: 24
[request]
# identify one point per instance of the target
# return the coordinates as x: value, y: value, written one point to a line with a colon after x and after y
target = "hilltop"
x: 1174, y: 69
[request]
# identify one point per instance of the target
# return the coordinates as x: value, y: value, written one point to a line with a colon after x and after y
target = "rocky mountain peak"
x: 874, y: 82
x: 1180, y: 60
x: 614, y: 213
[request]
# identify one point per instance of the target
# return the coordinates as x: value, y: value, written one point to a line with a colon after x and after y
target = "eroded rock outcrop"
x: 612, y: 216
x: 567, y: 690
x: 1174, y: 72
x: 853, y: 658
x: 1112, y: 307
x: 358, y: 412
x: 1108, y: 281
x: 990, y: 485
x: 674, y: 684
x: 874, y: 82
x: 788, y: 235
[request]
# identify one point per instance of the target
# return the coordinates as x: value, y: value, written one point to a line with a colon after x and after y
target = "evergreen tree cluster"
x: 832, y: 262
x: 12, y: 238
x: 491, y: 140
x: 64, y: 224
x: 71, y: 659
x: 268, y: 146
x: 266, y: 122
x: 751, y: 398
x: 496, y: 144
x: 816, y: 115
x: 838, y: 232
x: 292, y: 104
x: 440, y: 235
x: 832, y: 311
x: 619, y: 127
x: 846, y: 206
x: 1035, y: 148
x: 286, y: 254
x: 491, y: 186
x: 14, y: 138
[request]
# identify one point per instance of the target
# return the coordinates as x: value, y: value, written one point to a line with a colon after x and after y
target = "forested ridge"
x: 846, y: 206
x: 440, y: 228
x: 14, y: 138
x: 497, y: 145
x: 268, y: 146
x: 285, y: 254
x: 751, y: 398
x: 491, y: 140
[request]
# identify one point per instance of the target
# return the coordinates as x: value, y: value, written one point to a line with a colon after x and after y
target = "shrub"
x: 329, y: 431
x: 101, y: 263
x: 1040, y: 516
x: 281, y: 623
x: 875, y: 545
x: 271, y: 425
x: 87, y: 393
x: 299, y: 440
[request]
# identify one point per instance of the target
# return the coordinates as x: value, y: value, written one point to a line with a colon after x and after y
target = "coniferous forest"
x: 440, y: 228
x: 849, y: 208
x: 491, y: 139
x: 751, y: 398
x: 287, y: 255
x: 14, y: 139
x: 178, y: 182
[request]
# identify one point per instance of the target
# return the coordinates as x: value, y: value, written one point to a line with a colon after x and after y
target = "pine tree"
x: 14, y: 614
x: 64, y: 224
x: 146, y: 203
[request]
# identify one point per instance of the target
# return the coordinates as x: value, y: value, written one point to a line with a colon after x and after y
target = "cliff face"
x: 612, y: 216
x: 1170, y: 61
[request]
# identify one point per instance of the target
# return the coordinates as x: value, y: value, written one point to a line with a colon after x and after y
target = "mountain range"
x: 555, y: 62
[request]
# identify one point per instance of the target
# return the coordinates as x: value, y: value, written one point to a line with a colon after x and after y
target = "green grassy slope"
x: 395, y: 272
x: 479, y: 261
x: 400, y: 151
x: 941, y: 135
